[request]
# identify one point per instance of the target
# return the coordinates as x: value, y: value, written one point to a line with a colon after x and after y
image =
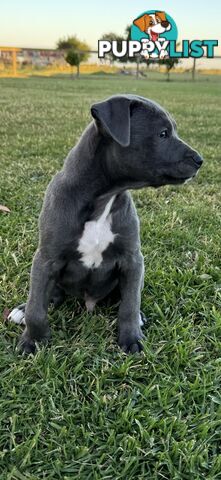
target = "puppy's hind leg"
x: 143, y: 319
x: 17, y: 315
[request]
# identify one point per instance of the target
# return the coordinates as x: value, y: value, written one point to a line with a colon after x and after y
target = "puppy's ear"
x: 114, y: 117
x: 142, y: 22
x: 161, y: 15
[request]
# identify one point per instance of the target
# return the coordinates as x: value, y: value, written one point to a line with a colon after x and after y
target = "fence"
x: 26, y: 61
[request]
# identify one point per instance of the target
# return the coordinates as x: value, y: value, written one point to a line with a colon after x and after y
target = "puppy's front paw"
x: 131, y: 342
x: 26, y: 345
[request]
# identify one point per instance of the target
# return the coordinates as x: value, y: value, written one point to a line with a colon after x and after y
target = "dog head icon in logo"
x: 153, y: 24
x: 154, y: 29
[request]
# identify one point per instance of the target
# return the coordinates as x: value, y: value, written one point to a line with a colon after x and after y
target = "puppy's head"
x: 142, y: 144
x: 153, y: 24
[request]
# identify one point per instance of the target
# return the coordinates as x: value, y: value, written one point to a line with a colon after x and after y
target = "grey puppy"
x: 89, y: 242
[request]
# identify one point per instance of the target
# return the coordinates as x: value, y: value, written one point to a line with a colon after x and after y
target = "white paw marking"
x: 17, y: 316
x: 141, y: 323
x: 96, y: 237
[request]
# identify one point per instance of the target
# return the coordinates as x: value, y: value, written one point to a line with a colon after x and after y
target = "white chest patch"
x: 96, y: 237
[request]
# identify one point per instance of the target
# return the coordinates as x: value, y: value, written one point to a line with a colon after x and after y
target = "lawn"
x: 82, y: 409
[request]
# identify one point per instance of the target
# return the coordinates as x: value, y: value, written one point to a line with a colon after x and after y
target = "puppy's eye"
x: 164, y: 134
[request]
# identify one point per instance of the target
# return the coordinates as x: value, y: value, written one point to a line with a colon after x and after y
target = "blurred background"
x: 54, y: 38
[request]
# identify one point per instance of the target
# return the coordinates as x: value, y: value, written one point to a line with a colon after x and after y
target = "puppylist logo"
x: 153, y: 34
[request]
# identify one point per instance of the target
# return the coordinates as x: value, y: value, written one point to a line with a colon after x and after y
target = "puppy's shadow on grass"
x: 72, y: 327
x: 72, y: 322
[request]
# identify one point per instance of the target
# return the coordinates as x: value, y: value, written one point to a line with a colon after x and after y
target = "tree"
x: 119, y: 38
x: 137, y: 57
x: 75, y: 50
x: 73, y: 58
x: 111, y: 36
x: 169, y: 64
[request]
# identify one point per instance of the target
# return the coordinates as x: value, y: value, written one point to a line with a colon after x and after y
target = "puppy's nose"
x: 197, y: 159
x: 164, y: 23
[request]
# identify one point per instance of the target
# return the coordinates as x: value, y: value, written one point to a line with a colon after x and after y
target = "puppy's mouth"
x: 178, y: 180
x: 154, y: 35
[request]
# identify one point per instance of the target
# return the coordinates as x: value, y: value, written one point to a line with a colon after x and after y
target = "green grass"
x: 81, y: 409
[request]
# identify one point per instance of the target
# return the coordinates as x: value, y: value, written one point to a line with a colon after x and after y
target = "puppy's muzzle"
x: 196, y: 159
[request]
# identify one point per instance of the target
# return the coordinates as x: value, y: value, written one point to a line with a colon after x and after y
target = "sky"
x: 40, y: 23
